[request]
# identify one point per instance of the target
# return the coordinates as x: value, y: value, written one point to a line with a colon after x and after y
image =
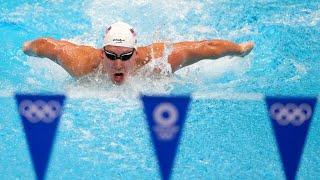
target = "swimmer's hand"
x: 246, y: 48
x: 27, y: 49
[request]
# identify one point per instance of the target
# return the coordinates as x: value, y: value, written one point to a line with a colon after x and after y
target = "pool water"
x: 103, y: 133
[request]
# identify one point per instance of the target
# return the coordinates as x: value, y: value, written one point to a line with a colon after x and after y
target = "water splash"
x: 156, y: 22
x: 302, y: 17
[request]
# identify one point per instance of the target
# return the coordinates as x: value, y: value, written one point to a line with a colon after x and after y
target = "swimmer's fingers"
x: 27, y: 48
x: 246, y: 48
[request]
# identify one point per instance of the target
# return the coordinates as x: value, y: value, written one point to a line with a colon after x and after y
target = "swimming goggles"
x: 123, y: 57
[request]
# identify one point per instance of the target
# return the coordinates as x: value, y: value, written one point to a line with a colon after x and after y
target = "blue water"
x: 103, y: 134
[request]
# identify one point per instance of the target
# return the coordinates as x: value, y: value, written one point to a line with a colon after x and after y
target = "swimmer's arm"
x: 187, y: 53
x: 76, y: 60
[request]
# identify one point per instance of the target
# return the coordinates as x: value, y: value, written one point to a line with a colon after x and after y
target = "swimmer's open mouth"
x: 118, y: 78
x: 118, y: 74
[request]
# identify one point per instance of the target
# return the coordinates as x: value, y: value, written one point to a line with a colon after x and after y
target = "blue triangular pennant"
x: 40, y: 115
x: 165, y: 116
x: 291, y: 118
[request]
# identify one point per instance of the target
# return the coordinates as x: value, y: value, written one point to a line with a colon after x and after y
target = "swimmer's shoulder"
x: 79, y: 60
x: 147, y: 53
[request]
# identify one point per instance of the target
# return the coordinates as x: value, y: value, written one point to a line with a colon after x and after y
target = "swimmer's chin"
x: 118, y: 81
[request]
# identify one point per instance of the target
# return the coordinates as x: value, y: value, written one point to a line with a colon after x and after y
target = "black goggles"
x: 123, y: 57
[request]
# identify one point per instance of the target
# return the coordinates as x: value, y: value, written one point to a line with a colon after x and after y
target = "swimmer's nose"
x: 118, y: 64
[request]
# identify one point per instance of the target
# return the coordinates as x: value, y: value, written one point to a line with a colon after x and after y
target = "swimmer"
x: 120, y: 57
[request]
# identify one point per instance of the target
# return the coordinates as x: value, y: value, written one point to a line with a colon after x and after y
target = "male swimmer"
x: 120, y: 57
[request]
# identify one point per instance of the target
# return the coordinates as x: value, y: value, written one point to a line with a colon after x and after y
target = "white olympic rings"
x: 168, y: 121
x: 290, y: 113
x: 40, y: 110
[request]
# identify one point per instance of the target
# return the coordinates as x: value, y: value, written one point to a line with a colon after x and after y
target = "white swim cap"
x: 120, y: 34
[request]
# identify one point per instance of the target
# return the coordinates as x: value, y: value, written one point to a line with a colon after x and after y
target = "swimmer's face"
x: 118, y: 62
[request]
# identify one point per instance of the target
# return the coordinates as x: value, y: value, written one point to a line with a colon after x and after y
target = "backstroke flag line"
x: 290, y: 118
x: 40, y: 115
x: 165, y: 117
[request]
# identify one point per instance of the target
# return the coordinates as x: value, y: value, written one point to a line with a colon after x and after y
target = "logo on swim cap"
x: 118, y: 40
x: 120, y: 34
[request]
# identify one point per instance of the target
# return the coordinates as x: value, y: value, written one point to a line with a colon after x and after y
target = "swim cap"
x: 120, y: 34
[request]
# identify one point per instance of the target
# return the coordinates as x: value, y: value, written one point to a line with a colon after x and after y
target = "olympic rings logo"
x: 170, y: 110
x: 165, y: 116
x: 40, y: 110
x: 290, y: 113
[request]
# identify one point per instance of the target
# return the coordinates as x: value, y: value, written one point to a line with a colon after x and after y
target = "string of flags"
x: 290, y: 118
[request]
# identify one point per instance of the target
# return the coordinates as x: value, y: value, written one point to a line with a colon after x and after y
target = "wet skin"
x: 80, y: 60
